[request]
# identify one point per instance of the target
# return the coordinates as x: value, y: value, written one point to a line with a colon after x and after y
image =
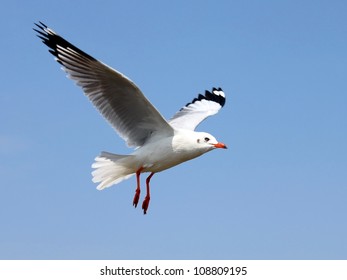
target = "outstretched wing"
x: 117, y: 98
x: 191, y: 115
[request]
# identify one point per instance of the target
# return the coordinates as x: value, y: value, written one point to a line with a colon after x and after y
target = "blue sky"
x: 278, y: 192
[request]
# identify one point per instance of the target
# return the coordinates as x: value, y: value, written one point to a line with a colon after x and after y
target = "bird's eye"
x: 207, y: 139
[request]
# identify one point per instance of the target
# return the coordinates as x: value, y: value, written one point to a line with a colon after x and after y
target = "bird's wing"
x: 191, y: 115
x: 117, y: 98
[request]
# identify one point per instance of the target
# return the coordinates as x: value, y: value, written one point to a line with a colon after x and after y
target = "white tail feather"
x: 111, y: 169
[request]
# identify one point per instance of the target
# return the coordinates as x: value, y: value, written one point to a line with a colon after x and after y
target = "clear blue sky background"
x: 278, y: 192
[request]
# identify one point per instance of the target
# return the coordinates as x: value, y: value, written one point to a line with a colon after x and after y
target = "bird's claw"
x: 145, y: 204
x: 136, y: 197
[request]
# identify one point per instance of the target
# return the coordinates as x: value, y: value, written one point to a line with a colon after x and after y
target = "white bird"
x: 159, y: 144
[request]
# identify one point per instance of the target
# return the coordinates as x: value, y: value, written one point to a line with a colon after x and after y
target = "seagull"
x: 158, y: 144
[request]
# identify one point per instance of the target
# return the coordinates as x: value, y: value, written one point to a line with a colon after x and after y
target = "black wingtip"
x: 216, y: 95
x: 40, y: 34
x: 44, y: 25
x: 52, y: 40
x: 42, y: 31
x: 41, y: 26
x: 217, y: 89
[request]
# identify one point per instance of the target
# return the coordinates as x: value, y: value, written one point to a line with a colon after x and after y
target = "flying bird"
x: 159, y: 144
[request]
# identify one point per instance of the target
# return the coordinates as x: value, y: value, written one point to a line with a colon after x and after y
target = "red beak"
x: 220, y: 145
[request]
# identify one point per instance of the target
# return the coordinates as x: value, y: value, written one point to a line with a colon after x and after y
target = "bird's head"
x: 207, y: 141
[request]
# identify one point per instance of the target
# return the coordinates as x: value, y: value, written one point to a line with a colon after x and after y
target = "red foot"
x: 137, y: 191
x: 145, y: 204
x: 136, y: 197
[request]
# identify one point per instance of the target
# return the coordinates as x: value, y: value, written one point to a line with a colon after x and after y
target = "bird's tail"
x: 111, y: 169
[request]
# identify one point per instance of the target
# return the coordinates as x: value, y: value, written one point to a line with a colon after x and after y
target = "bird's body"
x: 167, y: 152
x: 159, y: 144
x: 154, y: 157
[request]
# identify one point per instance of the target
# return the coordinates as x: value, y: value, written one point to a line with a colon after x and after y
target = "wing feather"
x: 191, y: 115
x: 117, y: 98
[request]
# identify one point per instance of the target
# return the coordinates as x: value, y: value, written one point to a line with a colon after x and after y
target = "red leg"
x: 148, y: 197
x: 138, y: 190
